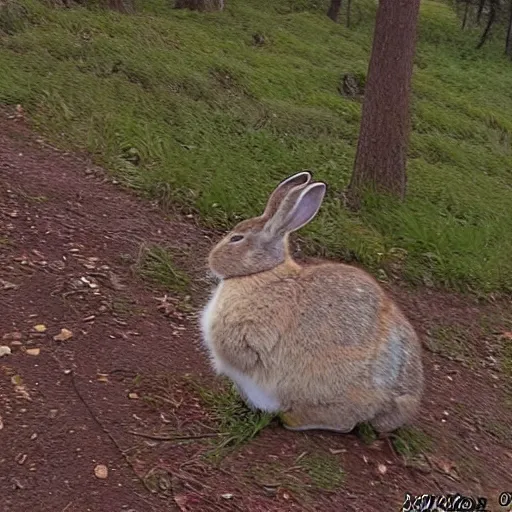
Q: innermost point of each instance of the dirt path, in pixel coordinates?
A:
(68, 241)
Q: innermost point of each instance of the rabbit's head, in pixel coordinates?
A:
(260, 244)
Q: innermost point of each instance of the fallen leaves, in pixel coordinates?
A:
(5, 350)
(40, 328)
(101, 471)
(19, 387)
(64, 335)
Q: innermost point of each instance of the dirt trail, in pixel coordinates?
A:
(68, 242)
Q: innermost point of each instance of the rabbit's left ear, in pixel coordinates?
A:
(297, 209)
(300, 179)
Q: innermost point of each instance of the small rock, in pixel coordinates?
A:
(101, 471)
(227, 496)
(40, 328)
(65, 334)
(5, 350)
(133, 396)
(33, 351)
(16, 336)
(382, 468)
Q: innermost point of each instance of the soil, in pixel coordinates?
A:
(70, 239)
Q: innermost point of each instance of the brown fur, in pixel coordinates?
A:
(324, 339)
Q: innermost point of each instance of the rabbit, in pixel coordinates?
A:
(322, 346)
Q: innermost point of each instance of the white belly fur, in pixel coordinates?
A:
(254, 393)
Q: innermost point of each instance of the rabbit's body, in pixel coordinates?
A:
(322, 344)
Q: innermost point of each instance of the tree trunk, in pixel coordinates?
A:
(381, 156)
(480, 10)
(124, 6)
(490, 22)
(349, 12)
(508, 43)
(334, 10)
(465, 18)
(200, 5)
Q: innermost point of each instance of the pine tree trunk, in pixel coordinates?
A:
(200, 5)
(480, 10)
(334, 10)
(381, 156)
(508, 43)
(465, 18)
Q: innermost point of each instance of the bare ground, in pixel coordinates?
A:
(69, 243)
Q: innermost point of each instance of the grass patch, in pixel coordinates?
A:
(366, 433)
(234, 420)
(324, 470)
(156, 264)
(184, 107)
(410, 442)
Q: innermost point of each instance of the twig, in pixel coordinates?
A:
(174, 438)
(98, 422)
(67, 506)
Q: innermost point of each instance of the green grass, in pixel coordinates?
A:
(324, 470)
(185, 108)
(234, 420)
(411, 442)
(156, 264)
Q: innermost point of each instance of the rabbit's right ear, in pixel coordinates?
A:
(297, 209)
(300, 179)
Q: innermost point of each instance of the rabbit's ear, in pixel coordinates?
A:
(275, 199)
(297, 209)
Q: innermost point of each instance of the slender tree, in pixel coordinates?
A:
(200, 5)
(466, 12)
(481, 5)
(381, 156)
(334, 10)
(493, 11)
(508, 43)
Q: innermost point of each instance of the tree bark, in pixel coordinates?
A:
(465, 18)
(508, 43)
(200, 5)
(334, 10)
(349, 12)
(480, 10)
(490, 22)
(124, 6)
(381, 156)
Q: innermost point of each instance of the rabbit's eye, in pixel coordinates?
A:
(236, 238)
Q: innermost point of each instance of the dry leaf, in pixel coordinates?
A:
(5, 350)
(101, 471)
(16, 380)
(102, 377)
(64, 335)
(33, 351)
(40, 328)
